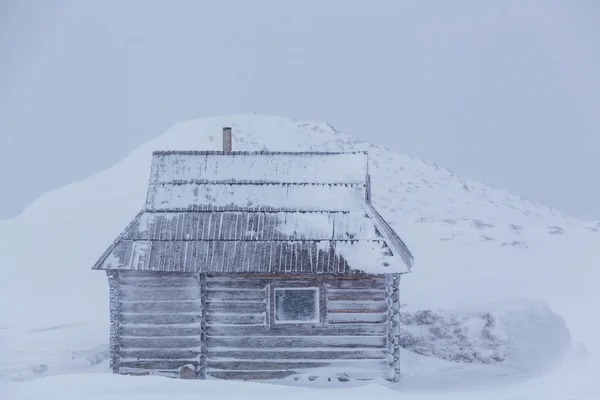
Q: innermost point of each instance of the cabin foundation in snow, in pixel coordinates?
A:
(256, 265)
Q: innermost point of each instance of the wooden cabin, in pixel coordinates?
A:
(256, 265)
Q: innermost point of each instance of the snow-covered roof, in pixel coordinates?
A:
(269, 212)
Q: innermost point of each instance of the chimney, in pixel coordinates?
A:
(227, 139)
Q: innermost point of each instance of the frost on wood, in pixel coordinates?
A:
(209, 196)
(287, 167)
(297, 220)
(257, 266)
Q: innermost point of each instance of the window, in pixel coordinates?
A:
(296, 305)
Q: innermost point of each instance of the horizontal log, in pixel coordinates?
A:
(364, 283)
(354, 295)
(160, 307)
(356, 307)
(164, 342)
(159, 281)
(353, 318)
(233, 295)
(157, 364)
(156, 294)
(265, 365)
(296, 341)
(165, 330)
(159, 319)
(172, 373)
(233, 283)
(229, 319)
(153, 354)
(309, 354)
(238, 307)
(249, 375)
(377, 329)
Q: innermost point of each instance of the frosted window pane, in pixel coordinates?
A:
(296, 305)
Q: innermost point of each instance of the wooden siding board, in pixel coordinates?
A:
(376, 329)
(356, 318)
(159, 319)
(157, 307)
(236, 307)
(356, 295)
(154, 354)
(161, 364)
(298, 341)
(250, 375)
(357, 307)
(291, 354)
(131, 293)
(146, 331)
(171, 342)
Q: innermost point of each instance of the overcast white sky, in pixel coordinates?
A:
(505, 92)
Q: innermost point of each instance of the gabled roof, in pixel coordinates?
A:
(268, 212)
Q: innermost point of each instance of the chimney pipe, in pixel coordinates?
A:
(227, 139)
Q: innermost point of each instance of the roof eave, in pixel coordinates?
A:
(398, 247)
(98, 264)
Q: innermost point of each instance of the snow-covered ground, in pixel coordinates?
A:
(511, 284)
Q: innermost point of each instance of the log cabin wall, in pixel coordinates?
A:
(244, 342)
(155, 322)
(224, 326)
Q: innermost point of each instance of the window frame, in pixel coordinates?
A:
(296, 285)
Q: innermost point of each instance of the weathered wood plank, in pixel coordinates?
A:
(238, 307)
(157, 294)
(234, 283)
(159, 282)
(236, 295)
(172, 373)
(230, 319)
(373, 283)
(376, 329)
(352, 318)
(157, 364)
(297, 341)
(356, 295)
(249, 375)
(159, 319)
(164, 330)
(291, 354)
(161, 307)
(160, 342)
(264, 365)
(154, 354)
(365, 307)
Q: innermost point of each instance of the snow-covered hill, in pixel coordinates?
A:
(476, 248)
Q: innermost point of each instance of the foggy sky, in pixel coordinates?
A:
(504, 92)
